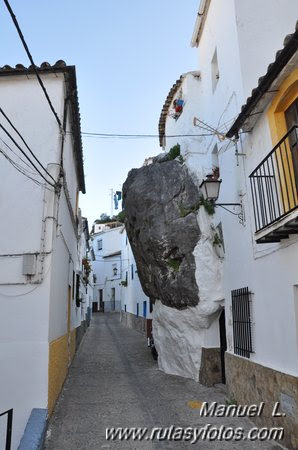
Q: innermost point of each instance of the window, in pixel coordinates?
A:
(73, 283)
(78, 299)
(291, 115)
(220, 235)
(114, 270)
(113, 299)
(215, 162)
(145, 308)
(214, 71)
(99, 244)
(132, 271)
(241, 312)
(150, 305)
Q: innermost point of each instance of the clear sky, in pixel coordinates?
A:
(127, 55)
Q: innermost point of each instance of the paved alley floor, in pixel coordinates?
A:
(114, 382)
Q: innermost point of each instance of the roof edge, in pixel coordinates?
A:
(168, 102)
(274, 69)
(200, 22)
(72, 93)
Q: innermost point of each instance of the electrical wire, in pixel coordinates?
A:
(132, 136)
(14, 19)
(27, 146)
(21, 169)
(25, 154)
(21, 159)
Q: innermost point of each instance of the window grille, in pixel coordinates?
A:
(242, 327)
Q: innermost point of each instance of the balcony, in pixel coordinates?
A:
(274, 191)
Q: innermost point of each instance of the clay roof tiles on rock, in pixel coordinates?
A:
(165, 109)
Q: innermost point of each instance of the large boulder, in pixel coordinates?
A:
(160, 202)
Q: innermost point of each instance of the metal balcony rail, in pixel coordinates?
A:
(274, 182)
(9, 414)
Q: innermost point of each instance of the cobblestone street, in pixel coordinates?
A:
(114, 382)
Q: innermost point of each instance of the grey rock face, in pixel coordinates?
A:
(160, 201)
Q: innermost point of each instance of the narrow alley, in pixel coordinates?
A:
(114, 382)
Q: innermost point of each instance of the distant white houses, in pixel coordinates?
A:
(44, 296)
(136, 308)
(106, 265)
(116, 282)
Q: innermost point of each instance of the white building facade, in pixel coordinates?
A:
(250, 153)
(136, 308)
(116, 282)
(39, 254)
(106, 265)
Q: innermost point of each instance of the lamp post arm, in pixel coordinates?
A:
(228, 204)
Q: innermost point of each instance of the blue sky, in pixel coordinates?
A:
(127, 55)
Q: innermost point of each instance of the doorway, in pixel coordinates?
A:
(113, 299)
(223, 344)
(101, 305)
(291, 115)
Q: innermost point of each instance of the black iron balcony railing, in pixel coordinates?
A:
(274, 182)
(9, 414)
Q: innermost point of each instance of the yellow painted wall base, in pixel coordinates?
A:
(61, 353)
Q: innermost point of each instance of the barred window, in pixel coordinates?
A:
(242, 327)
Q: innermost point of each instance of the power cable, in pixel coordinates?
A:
(14, 19)
(27, 146)
(23, 171)
(115, 135)
(21, 159)
(26, 156)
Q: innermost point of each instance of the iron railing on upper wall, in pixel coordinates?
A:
(274, 182)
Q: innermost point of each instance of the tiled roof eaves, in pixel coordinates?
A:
(165, 109)
(60, 67)
(274, 69)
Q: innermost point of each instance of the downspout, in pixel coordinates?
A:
(46, 199)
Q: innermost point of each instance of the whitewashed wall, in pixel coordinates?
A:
(103, 265)
(234, 29)
(133, 292)
(32, 314)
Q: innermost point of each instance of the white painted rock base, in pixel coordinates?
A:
(179, 335)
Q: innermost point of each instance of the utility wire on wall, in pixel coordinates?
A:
(21, 169)
(25, 143)
(133, 136)
(14, 19)
(25, 154)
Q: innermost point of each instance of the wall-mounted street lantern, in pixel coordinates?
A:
(210, 190)
(115, 271)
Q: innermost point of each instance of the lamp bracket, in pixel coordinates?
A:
(240, 214)
(228, 204)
